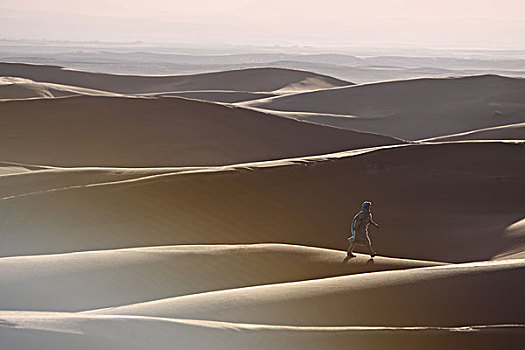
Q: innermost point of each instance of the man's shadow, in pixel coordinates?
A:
(347, 259)
(369, 262)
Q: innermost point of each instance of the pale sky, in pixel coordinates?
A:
(455, 23)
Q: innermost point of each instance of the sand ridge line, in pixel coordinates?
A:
(230, 249)
(212, 169)
(30, 89)
(36, 166)
(499, 127)
(185, 248)
(105, 183)
(299, 113)
(33, 318)
(257, 165)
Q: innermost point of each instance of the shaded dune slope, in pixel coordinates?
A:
(430, 205)
(411, 109)
(149, 132)
(453, 295)
(42, 331)
(89, 280)
(248, 80)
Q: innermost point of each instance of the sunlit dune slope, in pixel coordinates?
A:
(515, 231)
(412, 109)
(97, 279)
(248, 80)
(140, 132)
(9, 168)
(19, 88)
(442, 202)
(11, 90)
(43, 331)
(504, 132)
(454, 295)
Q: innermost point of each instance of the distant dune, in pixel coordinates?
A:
(247, 80)
(430, 205)
(372, 66)
(139, 132)
(411, 109)
(97, 279)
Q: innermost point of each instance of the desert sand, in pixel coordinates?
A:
(212, 210)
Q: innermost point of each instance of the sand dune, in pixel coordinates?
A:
(249, 80)
(411, 109)
(152, 132)
(37, 330)
(451, 295)
(430, 205)
(89, 280)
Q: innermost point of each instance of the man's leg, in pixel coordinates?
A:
(369, 244)
(349, 252)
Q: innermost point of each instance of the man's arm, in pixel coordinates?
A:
(373, 222)
(352, 229)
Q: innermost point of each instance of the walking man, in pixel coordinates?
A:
(359, 230)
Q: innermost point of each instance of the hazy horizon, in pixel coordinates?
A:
(455, 24)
